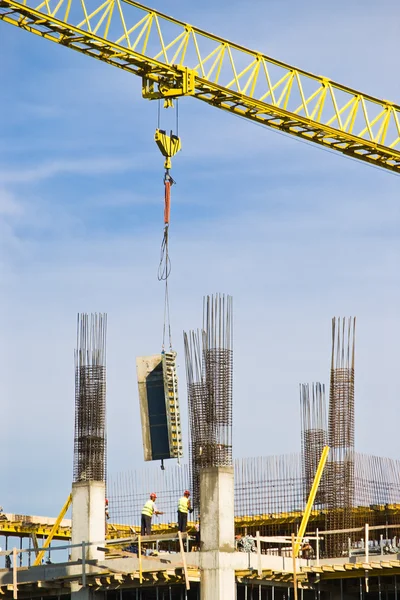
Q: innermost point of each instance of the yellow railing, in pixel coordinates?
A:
(13, 525)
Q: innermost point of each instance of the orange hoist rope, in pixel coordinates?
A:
(167, 208)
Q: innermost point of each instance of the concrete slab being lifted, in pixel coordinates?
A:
(159, 406)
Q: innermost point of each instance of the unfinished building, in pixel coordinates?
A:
(249, 508)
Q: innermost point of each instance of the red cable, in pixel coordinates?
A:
(167, 207)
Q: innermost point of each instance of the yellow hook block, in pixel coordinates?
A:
(169, 145)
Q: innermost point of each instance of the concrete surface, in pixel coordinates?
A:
(88, 518)
(217, 533)
(144, 366)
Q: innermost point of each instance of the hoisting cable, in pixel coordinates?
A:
(169, 145)
(164, 268)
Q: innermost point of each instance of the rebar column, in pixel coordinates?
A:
(340, 469)
(218, 362)
(314, 435)
(209, 370)
(90, 399)
(88, 489)
(197, 392)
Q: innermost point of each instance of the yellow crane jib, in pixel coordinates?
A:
(169, 145)
(224, 74)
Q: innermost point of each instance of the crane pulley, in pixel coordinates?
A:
(182, 83)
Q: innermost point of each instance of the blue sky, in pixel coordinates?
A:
(296, 234)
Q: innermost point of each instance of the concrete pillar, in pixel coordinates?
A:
(88, 518)
(85, 593)
(217, 532)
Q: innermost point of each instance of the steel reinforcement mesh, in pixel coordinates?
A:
(90, 438)
(199, 437)
(219, 374)
(263, 486)
(128, 492)
(269, 494)
(377, 480)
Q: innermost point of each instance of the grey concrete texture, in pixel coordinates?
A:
(217, 528)
(88, 517)
(217, 533)
(144, 366)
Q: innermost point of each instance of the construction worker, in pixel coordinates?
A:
(106, 510)
(306, 550)
(148, 510)
(196, 546)
(183, 508)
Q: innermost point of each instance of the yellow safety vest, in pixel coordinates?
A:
(148, 508)
(183, 505)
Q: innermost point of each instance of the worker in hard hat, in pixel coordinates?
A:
(196, 545)
(183, 508)
(106, 510)
(306, 549)
(148, 510)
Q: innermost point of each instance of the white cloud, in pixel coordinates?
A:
(9, 207)
(98, 165)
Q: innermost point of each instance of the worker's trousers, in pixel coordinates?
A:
(146, 525)
(182, 521)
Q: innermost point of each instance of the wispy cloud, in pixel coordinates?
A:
(84, 166)
(9, 206)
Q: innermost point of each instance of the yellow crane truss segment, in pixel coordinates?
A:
(177, 59)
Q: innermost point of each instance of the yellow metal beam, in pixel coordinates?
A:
(174, 58)
(182, 549)
(140, 559)
(14, 525)
(311, 498)
(35, 543)
(56, 525)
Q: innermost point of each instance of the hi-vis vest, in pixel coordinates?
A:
(148, 508)
(183, 505)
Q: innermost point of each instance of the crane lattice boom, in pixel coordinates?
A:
(176, 59)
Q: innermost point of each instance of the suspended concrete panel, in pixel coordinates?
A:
(159, 406)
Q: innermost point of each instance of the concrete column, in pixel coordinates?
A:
(85, 593)
(88, 518)
(217, 531)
